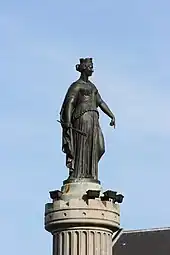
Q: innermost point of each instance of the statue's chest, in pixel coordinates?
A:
(87, 90)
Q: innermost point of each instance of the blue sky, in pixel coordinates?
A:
(41, 41)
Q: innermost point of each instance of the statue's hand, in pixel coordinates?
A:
(113, 122)
(66, 125)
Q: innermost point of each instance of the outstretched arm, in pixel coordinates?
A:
(104, 107)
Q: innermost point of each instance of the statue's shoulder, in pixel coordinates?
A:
(91, 83)
(93, 86)
(75, 85)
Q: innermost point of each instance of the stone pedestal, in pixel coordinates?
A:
(81, 225)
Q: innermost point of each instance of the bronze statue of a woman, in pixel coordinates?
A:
(82, 139)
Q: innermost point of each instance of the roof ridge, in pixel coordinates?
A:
(146, 230)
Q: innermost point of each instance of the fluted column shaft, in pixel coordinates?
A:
(82, 241)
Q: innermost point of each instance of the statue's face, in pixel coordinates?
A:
(89, 69)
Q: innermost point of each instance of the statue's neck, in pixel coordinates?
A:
(84, 77)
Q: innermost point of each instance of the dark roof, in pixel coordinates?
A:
(143, 242)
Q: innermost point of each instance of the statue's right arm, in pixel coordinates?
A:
(69, 104)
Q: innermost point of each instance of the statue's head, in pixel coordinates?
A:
(85, 66)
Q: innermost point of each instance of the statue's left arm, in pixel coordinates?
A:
(104, 107)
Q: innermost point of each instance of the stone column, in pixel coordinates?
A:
(81, 225)
(82, 241)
